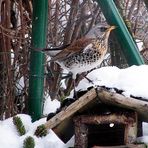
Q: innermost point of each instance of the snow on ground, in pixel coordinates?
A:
(132, 80)
(10, 138)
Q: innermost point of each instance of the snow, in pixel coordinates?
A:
(132, 80)
(145, 133)
(139, 44)
(50, 106)
(20, 84)
(10, 138)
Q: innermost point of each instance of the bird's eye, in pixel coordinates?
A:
(102, 29)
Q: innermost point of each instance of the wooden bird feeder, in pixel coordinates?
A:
(101, 119)
(105, 130)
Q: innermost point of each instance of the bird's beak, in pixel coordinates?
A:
(111, 28)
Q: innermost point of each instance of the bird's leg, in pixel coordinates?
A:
(83, 75)
(74, 85)
(89, 80)
(69, 84)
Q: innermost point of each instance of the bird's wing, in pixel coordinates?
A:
(88, 48)
(75, 47)
(94, 45)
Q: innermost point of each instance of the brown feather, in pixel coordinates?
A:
(75, 47)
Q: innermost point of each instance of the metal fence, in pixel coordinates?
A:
(67, 21)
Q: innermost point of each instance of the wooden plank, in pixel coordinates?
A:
(71, 109)
(113, 98)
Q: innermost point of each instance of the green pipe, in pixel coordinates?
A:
(129, 47)
(36, 75)
(146, 3)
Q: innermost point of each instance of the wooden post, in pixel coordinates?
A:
(81, 132)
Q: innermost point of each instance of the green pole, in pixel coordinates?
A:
(146, 3)
(36, 75)
(129, 47)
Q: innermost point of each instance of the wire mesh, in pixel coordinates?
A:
(67, 21)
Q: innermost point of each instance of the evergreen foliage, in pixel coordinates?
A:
(29, 142)
(41, 131)
(19, 125)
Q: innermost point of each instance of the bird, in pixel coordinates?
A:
(86, 53)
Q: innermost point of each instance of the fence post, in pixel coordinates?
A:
(36, 75)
